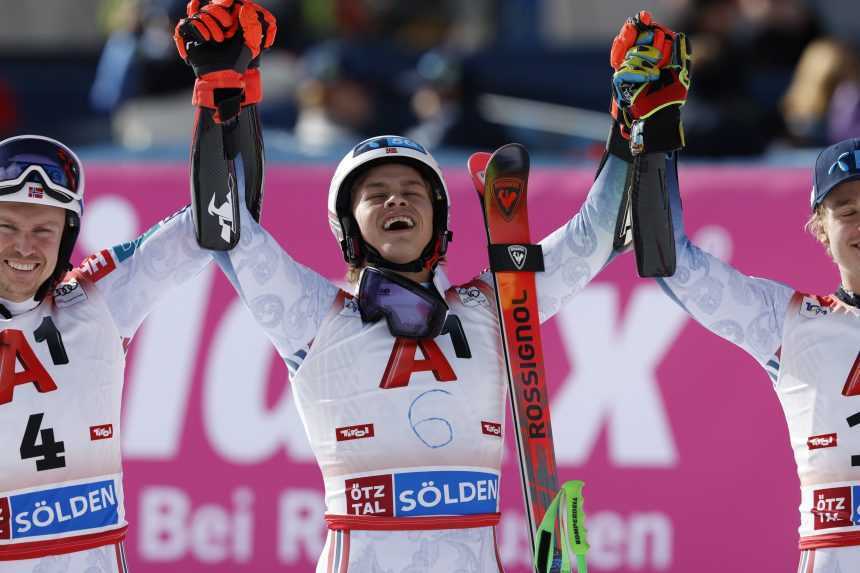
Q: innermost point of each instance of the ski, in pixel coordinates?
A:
(501, 180)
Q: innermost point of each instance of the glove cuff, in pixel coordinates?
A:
(617, 144)
(663, 131)
(205, 86)
(253, 87)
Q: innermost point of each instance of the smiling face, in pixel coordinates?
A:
(840, 222)
(391, 204)
(29, 245)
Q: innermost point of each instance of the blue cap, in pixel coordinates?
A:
(837, 164)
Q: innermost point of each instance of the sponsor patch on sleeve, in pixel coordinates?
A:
(97, 266)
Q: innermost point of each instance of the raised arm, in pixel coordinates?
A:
(134, 276)
(576, 252)
(288, 300)
(747, 311)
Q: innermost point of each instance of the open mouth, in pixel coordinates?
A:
(22, 267)
(399, 223)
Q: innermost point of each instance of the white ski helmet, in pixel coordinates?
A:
(42, 171)
(367, 154)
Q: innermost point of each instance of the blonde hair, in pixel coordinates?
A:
(815, 226)
(822, 66)
(352, 274)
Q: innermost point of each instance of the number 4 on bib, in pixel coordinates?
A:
(48, 449)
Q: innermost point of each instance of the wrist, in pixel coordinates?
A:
(253, 87)
(205, 86)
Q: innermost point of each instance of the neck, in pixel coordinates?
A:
(419, 277)
(16, 307)
(850, 281)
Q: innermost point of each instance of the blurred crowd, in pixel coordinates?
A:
(766, 74)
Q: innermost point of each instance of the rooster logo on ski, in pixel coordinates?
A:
(507, 191)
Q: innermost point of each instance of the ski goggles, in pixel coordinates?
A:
(410, 310)
(41, 170)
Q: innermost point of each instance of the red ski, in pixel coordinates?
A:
(501, 182)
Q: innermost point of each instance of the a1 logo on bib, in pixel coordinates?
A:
(507, 191)
(518, 255)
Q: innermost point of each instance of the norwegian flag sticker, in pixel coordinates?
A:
(35, 191)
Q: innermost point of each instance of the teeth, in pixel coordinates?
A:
(399, 219)
(21, 266)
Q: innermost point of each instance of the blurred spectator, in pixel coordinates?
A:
(138, 57)
(822, 104)
(720, 117)
(445, 102)
(384, 74)
(8, 110)
(744, 54)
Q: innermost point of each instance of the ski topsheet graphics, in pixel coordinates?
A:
(501, 180)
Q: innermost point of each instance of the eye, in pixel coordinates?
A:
(45, 231)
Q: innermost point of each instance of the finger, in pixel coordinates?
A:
(625, 39)
(192, 30)
(224, 17)
(644, 18)
(192, 8)
(271, 28)
(251, 29)
(179, 41)
(212, 25)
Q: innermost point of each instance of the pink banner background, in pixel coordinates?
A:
(677, 434)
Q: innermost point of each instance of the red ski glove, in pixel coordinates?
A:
(651, 80)
(222, 42)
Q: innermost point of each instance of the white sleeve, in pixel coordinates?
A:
(288, 300)
(747, 311)
(575, 253)
(134, 276)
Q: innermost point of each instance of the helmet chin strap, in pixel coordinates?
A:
(374, 258)
(64, 255)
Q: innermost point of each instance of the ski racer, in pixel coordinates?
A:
(807, 343)
(63, 337)
(399, 379)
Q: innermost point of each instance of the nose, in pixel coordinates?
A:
(24, 244)
(395, 199)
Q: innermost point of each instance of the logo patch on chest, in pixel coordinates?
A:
(471, 296)
(103, 432)
(491, 429)
(69, 293)
(354, 432)
(821, 441)
(811, 308)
